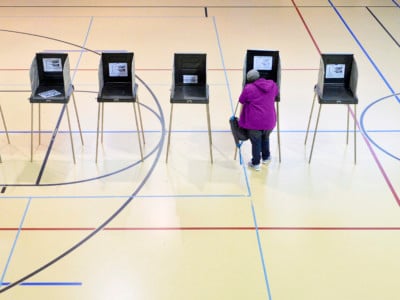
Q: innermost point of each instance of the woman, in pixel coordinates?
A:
(258, 115)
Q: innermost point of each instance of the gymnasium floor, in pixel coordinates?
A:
(191, 229)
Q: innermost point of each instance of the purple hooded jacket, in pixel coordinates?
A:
(258, 100)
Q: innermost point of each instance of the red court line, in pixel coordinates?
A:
(375, 157)
(306, 26)
(238, 228)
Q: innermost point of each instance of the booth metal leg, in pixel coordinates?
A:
(348, 124)
(309, 120)
(40, 123)
(209, 131)
(315, 133)
(138, 132)
(278, 131)
(40, 130)
(140, 120)
(354, 130)
(236, 148)
(169, 131)
(102, 121)
(4, 124)
(70, 134)
(355, 133)
(31, 132)
(77, 117)
(98, 128)
(5, 128)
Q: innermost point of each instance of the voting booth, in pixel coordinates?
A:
(117, 85)
(268, 64)
(189, 86)
(337, 84)
(51, 83)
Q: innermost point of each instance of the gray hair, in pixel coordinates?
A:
(252, 75)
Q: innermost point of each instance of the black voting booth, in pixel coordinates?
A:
(117, 85)
(267, 63)
(51, 83)
(337, 84)
(189, 86)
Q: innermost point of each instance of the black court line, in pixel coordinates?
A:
(50, 147)
(383, 27)
(115, 214)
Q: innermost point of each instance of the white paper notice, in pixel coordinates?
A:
(49, 93)
(335, 71)
(190, 79)
(52, 65)
(263, 63)
(118, 69)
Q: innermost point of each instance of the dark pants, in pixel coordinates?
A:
(259, 145)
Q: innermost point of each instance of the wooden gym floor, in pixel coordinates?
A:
(191, 229)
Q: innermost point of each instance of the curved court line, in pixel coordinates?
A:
(97, 177)
(37, 183)
(49, 38)
(365, 132)
(114, 215)
(365, 137)
(121, 208)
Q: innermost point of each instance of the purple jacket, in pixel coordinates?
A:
(258, 100)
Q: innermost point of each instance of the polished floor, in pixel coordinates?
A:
(190, 228)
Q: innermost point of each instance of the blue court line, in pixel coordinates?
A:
(46, 283)
(15, 241)
(82, 48)
(396, 3)
(223, 63)
(364, 50)
(229, 96)
(261, 251)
